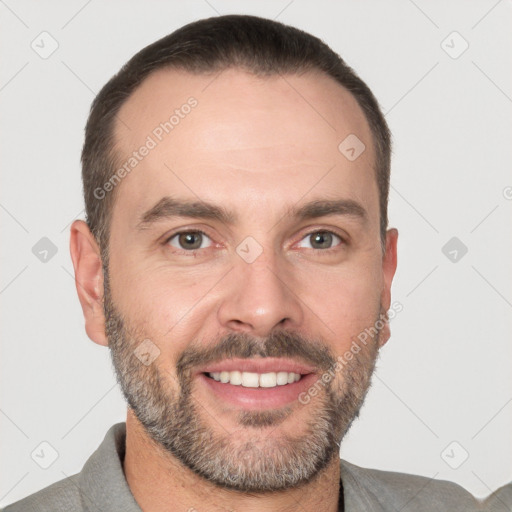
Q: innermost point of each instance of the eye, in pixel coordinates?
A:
(190, 240)
(320, 240)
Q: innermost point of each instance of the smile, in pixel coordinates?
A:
(256, 383)
(255, 380)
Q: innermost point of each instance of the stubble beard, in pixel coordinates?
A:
(170, 413)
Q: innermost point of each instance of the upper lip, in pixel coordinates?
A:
(259, 365)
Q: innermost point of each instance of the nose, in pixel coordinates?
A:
(259, 297)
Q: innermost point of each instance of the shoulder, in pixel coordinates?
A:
(391, 490)
(500, 500)
(63, 495)
(101, 485)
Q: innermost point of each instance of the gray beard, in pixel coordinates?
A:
(173, 417)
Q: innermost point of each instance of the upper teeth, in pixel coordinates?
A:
(255, 380)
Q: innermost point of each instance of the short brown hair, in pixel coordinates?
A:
(257, 45)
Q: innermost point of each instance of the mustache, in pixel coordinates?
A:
(241, 345)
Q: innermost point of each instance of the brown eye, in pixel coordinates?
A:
(190, 240)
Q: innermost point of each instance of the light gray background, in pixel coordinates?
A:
(445, 374)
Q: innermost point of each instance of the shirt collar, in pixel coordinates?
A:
(103, 485)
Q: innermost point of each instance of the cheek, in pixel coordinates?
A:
(160, 304)
(347, 302)
(141, 286)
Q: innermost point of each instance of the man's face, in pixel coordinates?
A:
(280, 284)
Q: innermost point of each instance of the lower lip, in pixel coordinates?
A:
(258, 398)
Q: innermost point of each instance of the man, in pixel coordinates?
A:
(237, 262)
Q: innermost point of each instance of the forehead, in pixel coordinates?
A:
(234, 137)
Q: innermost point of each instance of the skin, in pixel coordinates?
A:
(256, 146)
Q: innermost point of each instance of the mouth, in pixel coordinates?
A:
(255, 380)
(255, 384)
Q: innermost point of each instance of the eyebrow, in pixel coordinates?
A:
(168, 208)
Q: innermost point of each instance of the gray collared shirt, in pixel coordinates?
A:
(102, 486)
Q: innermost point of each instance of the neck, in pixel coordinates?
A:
(160, 483)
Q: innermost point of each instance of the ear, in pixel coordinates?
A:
(85, 254)
(389, 262)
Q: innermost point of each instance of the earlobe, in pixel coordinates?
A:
(85, 254)
(389, 263)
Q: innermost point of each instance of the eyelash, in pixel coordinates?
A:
(193, 252)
